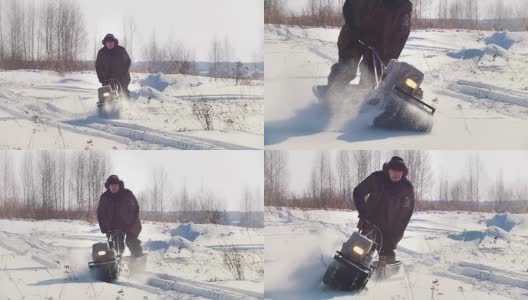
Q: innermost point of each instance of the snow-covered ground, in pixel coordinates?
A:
(477, 80)
(446, 255)
(47, 110)
(49, 260)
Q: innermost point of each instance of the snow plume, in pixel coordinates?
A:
(76, 266)
(345, 108)
(305, 269)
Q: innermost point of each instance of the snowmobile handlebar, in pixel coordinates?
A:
(376, 60)
(377, 231)
(111, 234)
(114, 83)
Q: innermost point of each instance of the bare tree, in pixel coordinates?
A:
(180, 59)
(159, 189)
(28, 181)
(212, 207)
(228, 52)
(326, 179)
(215, 56)
(247, 208)
(275, 177)
(344, 175)
(457, 191)
(420, 174)
(443, 187)
(499, 193)
(47, 180)
(362, 162)
(474, 167)
(129, 32)
(274, 11)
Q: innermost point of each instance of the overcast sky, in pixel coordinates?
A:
(194, 22)
(514, 166)
(226, 173)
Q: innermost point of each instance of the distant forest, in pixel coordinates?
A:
(334, 177)
(427, 14)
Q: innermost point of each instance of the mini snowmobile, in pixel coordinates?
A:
(397, 94)
(354, 265)
(109, 95)
(108, 259)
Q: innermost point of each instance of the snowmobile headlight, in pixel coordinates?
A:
(101, 253)
(358, 250)
(106, 94)
(411, 83)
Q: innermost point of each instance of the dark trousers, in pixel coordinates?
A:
(387, 245)
(132, 242)
(351, 55)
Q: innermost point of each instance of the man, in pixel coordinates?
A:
(383, 25)
(119, 210)
(386, 199)
(113, 62)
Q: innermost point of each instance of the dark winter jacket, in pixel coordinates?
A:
(382, 24)
(113, 64)
(388, 205)
(119, 211)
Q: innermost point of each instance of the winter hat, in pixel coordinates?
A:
(114, 179)
(396, 163)
(110, 37)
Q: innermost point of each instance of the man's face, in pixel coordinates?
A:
(395, 176)
(114, 188)
(110, 44)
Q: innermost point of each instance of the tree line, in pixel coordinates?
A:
(448, 14)
(68, 184)
(47, 35)
(334, 176)
(52, 35)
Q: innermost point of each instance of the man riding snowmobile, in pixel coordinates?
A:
(383, 25)
(386, 199)
(113, 63)
(119, 210)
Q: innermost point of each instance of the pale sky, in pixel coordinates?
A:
(514, 166)
(193, 22)
(226, 173)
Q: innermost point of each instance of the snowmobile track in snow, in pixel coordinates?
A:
(480, 272)
(477, 90)
(173, 283)
(129, 133)
(124, 132)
